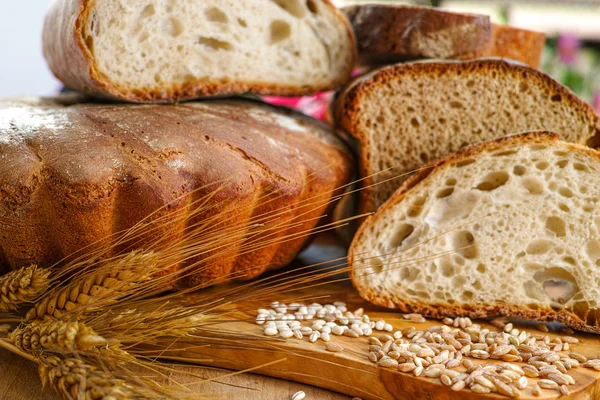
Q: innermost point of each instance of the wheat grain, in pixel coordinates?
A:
(22, 286)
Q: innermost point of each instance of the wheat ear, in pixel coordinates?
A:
(73, 378)
(22, 286)
(53, 335)
(93, 290)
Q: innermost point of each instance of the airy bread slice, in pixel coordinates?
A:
(398, 32)
(507, 227)
(517, 44)
(408, 114)
(163, 51)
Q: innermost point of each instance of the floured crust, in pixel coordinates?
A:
(407, 32)
(473, 310)
(72, 62)
(347, 107)
(74, 174)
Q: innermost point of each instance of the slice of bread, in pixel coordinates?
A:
(164, 51)
(517, 44)
(408, 114)
(507, 227)
(388, 33)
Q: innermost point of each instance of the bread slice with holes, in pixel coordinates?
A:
(164, 51)
(388, 33)
(517, 44)
(408, 114)
(507, 227)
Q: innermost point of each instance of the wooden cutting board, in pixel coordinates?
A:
(350, 371)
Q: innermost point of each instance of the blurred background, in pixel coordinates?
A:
(572, 52)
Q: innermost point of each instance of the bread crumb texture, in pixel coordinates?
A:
(407, 115)
(516, 224)
(150, 45)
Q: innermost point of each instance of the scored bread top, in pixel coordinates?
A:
(158, 51)
(409, 32)
(73, 174)
(408, 114)
(505, 227)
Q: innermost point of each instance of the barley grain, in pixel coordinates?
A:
(477, 388)
(547, 384)
(458, 386)
(334, 347)
(406, 367)
(300, 395)
(388, 363)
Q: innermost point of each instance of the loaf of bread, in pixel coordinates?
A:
(389, 33)
(73, 174)
(517, 44)
(507, 227)
(408, 114)
(398, 32)
(165, 51)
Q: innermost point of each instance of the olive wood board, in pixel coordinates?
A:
(350, 372)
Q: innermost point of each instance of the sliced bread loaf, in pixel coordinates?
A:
(398, 32)
(506, 227)
(163, 51)
(408, 114)
(517, 44)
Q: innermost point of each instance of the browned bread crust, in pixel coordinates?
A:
(348, 108)
(395, 32)
(517, 44)
(589, 324)
(72, 62)
(73, 174)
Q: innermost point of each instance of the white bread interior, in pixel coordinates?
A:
(147, 44)
(509, 227)
(409, 114)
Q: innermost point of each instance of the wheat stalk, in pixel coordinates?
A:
(22, 286)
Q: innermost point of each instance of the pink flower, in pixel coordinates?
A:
(291, 102)
(568, 48)
(315, 106)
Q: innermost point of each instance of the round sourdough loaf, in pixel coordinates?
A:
(73, 175)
